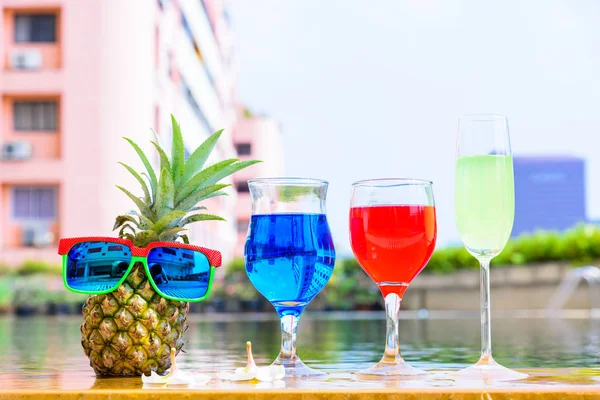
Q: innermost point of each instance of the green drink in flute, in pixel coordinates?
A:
(484, 201)
(485, 206)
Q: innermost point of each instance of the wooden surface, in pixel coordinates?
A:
(542, 384)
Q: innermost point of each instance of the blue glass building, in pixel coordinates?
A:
(549, 193)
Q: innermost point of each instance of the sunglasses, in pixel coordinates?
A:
(99, 265)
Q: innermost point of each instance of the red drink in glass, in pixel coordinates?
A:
(393, 243)
(393, 232)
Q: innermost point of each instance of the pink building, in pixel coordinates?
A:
(259, 138)
(76, 76)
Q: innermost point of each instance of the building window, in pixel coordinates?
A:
(35, 115)
(33, 203)
(242, 226)
(243, 149)
(242, 187)
(37, 28)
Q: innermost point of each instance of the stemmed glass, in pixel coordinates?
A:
(485, 210)
(393, 232)
(289, 254)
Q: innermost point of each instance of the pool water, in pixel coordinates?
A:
(328, 341)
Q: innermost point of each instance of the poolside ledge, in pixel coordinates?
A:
(545, 384)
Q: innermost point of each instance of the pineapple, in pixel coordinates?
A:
(131, 330)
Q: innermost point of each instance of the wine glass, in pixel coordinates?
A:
(289, 254)
(485, 209)
(393, 232)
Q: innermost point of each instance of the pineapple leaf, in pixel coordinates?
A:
(144, 209)
(145, 222)
(165, 194)
(184, 195)
(151, 173)
(143, 238)
(127, 236)
(177, 152)
(122, 219)
(142, 182)
(202, 217)
(170, 234)
(201, 208)
(199, 195)
(166, 220)
(201, 177)
(196, 161)
(185, 239)
(126, 226)
(164, 159)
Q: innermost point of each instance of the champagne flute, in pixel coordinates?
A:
(393, 233)
(485, 209)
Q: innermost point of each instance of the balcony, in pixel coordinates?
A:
(32, 40)
(29, 216)
(194, 74)
(30, 126)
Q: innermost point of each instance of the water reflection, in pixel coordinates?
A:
(47, 350)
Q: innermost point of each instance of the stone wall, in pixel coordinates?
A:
(527, 287)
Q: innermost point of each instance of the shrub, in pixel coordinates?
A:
(32, 267)
(5, 269)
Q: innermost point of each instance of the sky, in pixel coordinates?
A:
(369, 89)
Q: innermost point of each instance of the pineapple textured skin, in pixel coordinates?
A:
(131, 331)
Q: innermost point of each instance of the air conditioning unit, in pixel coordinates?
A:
(26, 59)
(37, 235)
(16, 150)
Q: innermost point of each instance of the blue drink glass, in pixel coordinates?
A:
(289, 254)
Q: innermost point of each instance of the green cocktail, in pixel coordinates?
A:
(484, 207)
(484, 202)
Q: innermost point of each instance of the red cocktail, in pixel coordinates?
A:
(393, 243)
(393, 232)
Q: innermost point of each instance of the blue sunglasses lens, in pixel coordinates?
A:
(96, 267)
(179, 273)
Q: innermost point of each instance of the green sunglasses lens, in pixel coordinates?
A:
(179, 273)
(96, 267)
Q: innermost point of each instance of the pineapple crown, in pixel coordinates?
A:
(168, 205)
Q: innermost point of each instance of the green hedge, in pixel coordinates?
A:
(349, 287)
(576, 246)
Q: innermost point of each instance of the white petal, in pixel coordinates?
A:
(225, 375)
(270, 373)
(187, 378)
(238, 375)
(154, 379)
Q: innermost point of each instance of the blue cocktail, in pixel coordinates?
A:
(289, 253)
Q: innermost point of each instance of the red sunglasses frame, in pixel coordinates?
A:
(214, 256)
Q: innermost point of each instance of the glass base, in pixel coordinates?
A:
(387, 369)
(295, 368)
(487, 369)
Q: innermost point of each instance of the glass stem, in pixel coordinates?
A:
(486, 322)
(289, 331)
(392, 316)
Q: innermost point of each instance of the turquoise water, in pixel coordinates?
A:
(349, 342)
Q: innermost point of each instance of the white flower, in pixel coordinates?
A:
(175, 377)
(251, 371)
(270, 373)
